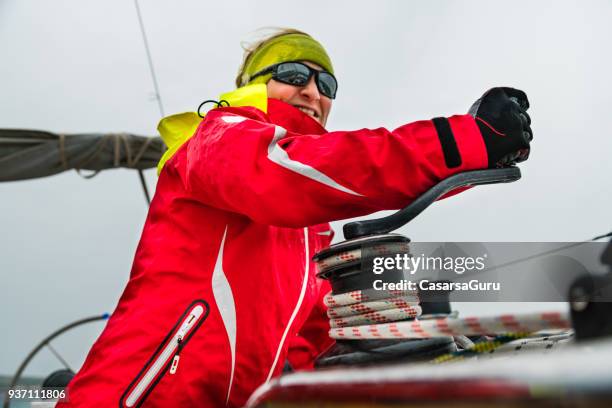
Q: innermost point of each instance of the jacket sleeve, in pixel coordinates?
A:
(274, 176)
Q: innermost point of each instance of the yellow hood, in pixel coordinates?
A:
(177, 129)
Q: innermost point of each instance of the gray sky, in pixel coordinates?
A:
(80, 66)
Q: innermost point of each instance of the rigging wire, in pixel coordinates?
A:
(540, 254)
(150, 60)
(160, 104)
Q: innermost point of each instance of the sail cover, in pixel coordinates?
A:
(27, 154)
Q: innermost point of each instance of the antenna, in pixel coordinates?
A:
(155, 85)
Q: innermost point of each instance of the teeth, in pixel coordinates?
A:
(308, 111)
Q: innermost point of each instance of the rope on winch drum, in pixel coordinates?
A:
(371, 307)
(394, 314)
(349, 255)
(359, 319)
(377, 307)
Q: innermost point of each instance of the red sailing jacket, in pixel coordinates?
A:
(223, 290)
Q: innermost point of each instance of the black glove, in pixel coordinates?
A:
(501, 115)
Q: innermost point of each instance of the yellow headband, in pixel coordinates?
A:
(289, 47)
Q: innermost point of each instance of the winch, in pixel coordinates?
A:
(355, 306)
(398, 325)
(404, 323)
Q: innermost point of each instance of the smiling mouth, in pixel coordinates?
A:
(308, 111)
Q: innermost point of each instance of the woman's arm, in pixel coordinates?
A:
(247, 165)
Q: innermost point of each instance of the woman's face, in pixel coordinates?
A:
(305, 98)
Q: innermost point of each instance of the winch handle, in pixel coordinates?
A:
(394, 221)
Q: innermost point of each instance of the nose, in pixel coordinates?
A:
(310, 90)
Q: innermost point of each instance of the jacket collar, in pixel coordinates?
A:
(281, 114)
(292, 119)
(251, 100)
(278, 112)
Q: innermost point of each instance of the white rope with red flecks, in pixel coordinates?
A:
(470, 326)
(371, 307)
(355, 254)
(385, 314)
(377, 314)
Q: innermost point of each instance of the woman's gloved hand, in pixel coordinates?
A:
(501, 115)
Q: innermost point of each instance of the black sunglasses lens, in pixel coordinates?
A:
(295, 73)
(292, 74)
(327, 85)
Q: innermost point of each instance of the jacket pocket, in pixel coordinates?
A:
(167, 356)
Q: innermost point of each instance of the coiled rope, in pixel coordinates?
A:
(361, 320)
(371, 307)
(386, 314)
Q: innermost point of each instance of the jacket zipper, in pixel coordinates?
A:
(175, 360)
(168, 358)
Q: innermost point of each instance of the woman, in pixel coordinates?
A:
(223, 292)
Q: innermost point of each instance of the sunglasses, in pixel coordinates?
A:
(298, 74)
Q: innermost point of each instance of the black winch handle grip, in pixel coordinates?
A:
(394, 221)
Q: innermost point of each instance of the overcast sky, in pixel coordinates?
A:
(80, 66)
